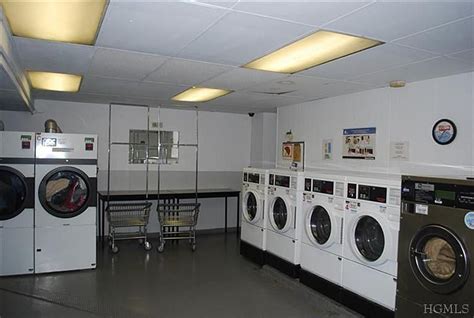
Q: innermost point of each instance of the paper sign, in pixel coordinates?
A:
(399, 150)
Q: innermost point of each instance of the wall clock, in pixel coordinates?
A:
(444, 131)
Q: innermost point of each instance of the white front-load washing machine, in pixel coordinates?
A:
(17, 172)
(65, 214)
(322, 238)
(371, 226)
(253, 230)
(283, 222)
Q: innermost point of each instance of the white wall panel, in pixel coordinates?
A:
(406, 114)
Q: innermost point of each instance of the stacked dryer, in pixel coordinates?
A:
(283, 223)
(17, 156)
(65, 214)
(322, 237)
(371, 228)
(254, 197)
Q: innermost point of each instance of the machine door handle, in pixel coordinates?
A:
(294, 219)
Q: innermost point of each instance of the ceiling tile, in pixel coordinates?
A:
(239, 38)
(368, 61)
(237, 100)
(54, 56)
(309, 12)
(437, 67)
(308, 87)
(450, 38)
(124, 64)
(240, 78)
(391, 20)
(155, 27)
(467, 55)
(219, 3)
(117, 87)
(186, 72)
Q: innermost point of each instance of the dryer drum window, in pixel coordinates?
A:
(320, 224)
(64, 192)
(280, 213)
(13, 193)
(438, 259)
(251, 206)
(369, 238)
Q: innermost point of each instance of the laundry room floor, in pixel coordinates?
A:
(214, 281)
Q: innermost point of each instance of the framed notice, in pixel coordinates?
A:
(327, 149)
(359, 143)
(287, 151)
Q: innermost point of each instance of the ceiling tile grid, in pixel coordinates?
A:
(54, 56)
(239, 38)
(124, 64)
(155, 27)
(150, 51)
(186, 72)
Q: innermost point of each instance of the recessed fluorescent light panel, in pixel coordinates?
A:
(200, 94)
(316, 49)
(55, 81)
(74, 21)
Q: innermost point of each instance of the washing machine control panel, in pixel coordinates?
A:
(438, 193)
(323, 186)
(372, 193)
(282, 181)
(253, 178)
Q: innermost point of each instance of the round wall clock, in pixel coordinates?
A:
(444, 131)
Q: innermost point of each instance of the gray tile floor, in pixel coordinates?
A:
(214, 281)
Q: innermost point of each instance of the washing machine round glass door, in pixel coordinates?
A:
(438, 259)
(64, 192)
(251, 207)
(319, 225)
(279, 214)
(13, 193)
(369, 238)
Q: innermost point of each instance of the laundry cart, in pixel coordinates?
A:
(178, 222)
(128, 215)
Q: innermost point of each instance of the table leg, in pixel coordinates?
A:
(225, 228)
(102, 214)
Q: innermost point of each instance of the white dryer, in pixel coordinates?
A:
(253, 230)
(17, 166)
(322, 239)
(65, 214)
(371, 226)
(283, 222)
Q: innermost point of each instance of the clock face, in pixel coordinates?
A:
(444, 131)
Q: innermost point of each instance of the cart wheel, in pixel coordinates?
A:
(115, 249)
(193, 247)
(140, 241)
(147, 245)
(161, 248)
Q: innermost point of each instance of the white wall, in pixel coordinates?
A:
(224, 147)
(405, 114)
(263, 139)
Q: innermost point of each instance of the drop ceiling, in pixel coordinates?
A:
(147, 52)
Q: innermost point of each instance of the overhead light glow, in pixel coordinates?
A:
(200, 94)
(55, 81)
(316, 49)
(74, 21)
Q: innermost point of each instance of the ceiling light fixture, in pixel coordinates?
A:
(316, 49)
(55, 81)
(200, 94)
(74, 21)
